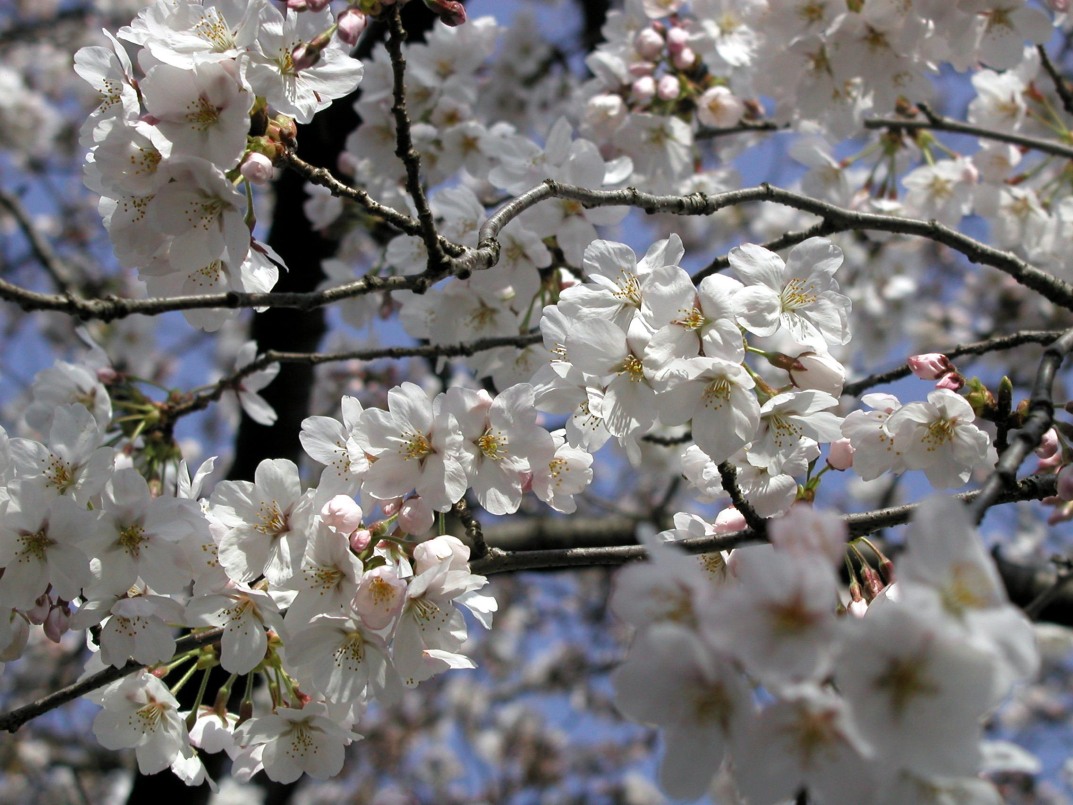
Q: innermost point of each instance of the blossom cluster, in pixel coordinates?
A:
(878, 699)
(336, 606)
(223, 84)
(753, 664)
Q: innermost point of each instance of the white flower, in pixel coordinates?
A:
(413, 446)
(917, 690)
(244, 613)
(40, 545)
(141, 714)
(875, 452)
(673, 680)
(342, 657)
(327, 580)
(939, 437)
(805, 741)
(800, 294)
(138, 535)
(266, 522)
(779, 619)
(560, 474)
(202, 210)
(330, 442)
(297, 742)
(498, 438)
(271, 71)
(718, 397)
(204, 110)
(790, 418)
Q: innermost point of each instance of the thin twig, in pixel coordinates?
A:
(934, 122)
(13, 719)
(404, 144)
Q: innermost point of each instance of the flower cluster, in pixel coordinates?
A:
(223, 85)
(880, 703)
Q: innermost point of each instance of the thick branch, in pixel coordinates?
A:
(838, 219)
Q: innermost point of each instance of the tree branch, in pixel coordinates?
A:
(1037, 420)
(13, 719)
(936, 122)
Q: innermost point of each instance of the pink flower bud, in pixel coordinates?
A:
(684, 58)
(1058, 6)
(297, 5)
(644, 89)
(351, 25)
(39, 611)
(677, 38)
(317, 5)
(450, 12)
(56, 623)
(416, 516)
(1048, 445)
(360, 540)
(648, 44)
(442, 549)
(818, 371)
(304, 56)
(391, 507)
(639, 69)
(257, 168)
(728, 521)
(342, 513)
(951, 381)
(840, 456)
(930, 366)
(1065, 482)
(668, 88)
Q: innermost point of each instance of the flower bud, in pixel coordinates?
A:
(643, 89)
(719, 108)
(818, 371)
(257, 168)
(416, 516)
(729, 521)
(648, 44)
(360, 540)
(342, 513)
(684, 58)
(677, 38)
(1065, 482)
(668, 88)
(451, 12)
(1048, 445)
(56, 623)
(39, 611)
(840, 456)
(930, 366)
(951, 381)
(351, 24)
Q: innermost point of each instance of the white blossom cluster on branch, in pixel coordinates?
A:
(476, 204)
